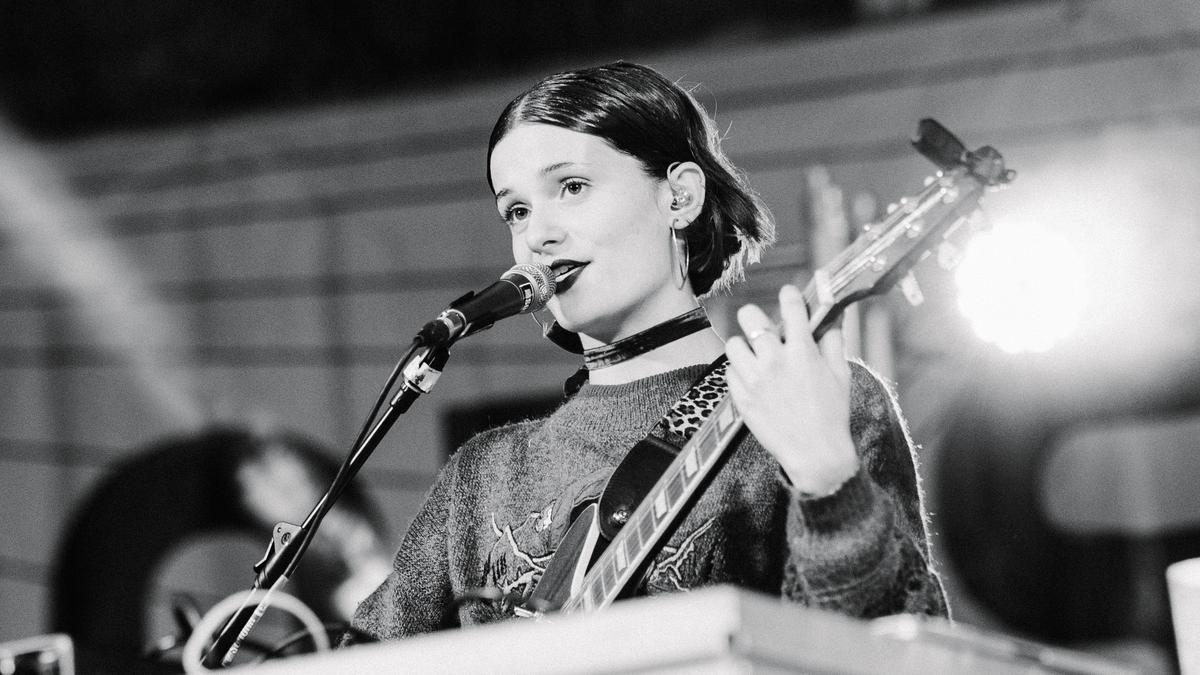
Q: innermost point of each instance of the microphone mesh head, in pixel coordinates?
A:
(541, 280)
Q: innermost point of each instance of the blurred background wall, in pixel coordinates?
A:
(246, 257)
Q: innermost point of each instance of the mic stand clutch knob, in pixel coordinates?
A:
(281, 535)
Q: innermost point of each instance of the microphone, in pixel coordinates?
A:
(524, 288)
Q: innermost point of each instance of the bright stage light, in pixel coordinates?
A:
(1021, 287)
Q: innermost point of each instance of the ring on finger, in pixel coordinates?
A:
(755, 334)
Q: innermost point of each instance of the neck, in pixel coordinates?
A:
(700, 347)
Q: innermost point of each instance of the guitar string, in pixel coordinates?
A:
(842, 262)
(891, 233)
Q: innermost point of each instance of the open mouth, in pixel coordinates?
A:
(565, 273)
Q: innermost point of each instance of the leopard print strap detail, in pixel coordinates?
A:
(686, 415)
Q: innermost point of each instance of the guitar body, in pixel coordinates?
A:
(566, 570)
(596, 525)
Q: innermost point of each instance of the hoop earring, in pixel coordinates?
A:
(679, 256)
(542, 325)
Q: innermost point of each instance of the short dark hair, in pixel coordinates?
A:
(642, 114)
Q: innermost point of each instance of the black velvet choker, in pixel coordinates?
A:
(641, 342)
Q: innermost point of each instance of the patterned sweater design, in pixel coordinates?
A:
(502, 503)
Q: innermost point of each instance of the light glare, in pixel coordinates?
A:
(1021, 287)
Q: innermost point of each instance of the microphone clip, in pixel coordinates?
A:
(446, 327)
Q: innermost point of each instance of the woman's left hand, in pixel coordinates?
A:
(795, 394)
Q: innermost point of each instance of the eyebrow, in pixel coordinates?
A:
(546, 170)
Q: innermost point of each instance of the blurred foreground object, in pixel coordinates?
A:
(41, 655)
(223, 480)
(717, 629)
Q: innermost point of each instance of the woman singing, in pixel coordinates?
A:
(614, 177)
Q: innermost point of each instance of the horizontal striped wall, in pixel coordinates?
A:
(287, 257)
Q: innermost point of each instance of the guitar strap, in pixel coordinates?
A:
(686, 415)
(654, 453)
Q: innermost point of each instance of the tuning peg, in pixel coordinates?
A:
(949, 255)
(911, 289)
(905, 205)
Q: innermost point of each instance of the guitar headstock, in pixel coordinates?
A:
(886, 251)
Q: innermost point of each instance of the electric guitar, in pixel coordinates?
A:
(609, 544)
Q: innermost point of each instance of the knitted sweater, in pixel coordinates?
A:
(504, 500)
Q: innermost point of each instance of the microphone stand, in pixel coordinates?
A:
(421, 370)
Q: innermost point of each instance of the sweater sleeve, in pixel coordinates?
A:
(864, 550)
(417, 593)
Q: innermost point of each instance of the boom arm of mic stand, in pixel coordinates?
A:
(289, 542)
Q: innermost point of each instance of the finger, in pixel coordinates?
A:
(752, 317)
(833, 351)
(736, 381)
(744, 365)
(741, 390)
(795, 312)
(739, 353)
(761, 333)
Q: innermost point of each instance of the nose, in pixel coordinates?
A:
(544, 233)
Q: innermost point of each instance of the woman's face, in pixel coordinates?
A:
(569, 199)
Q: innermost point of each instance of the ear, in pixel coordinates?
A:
(685, 192)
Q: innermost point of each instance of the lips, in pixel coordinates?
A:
(566, 272)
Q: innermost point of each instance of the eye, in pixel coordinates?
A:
(573, 186)
(515, 214)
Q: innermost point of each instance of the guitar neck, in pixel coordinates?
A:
(877, 258)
